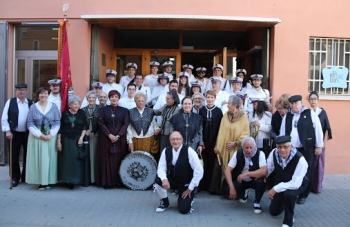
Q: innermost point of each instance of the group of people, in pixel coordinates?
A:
(226, 123)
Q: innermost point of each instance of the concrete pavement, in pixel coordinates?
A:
(24, 205)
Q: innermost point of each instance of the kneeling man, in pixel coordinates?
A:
(182, 160)
(286, 172)
(247, 169)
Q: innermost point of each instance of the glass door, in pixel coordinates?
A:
(35, 69)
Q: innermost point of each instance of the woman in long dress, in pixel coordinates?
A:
(92, 112)
(43, 122)
(113, 122)
(211, 116)
(234, 127)
(319, 163)
(189, 125)
(143, 129)
(167, 111)
(70, 142)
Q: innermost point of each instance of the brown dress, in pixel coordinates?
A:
(112, 120)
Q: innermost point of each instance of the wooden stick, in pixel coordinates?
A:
(219, 160)
(10, 164)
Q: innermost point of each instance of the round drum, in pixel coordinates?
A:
(138, 170)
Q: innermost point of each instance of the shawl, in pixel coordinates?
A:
(233, 131)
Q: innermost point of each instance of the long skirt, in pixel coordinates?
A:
(318, 173)
(41, 164)
(93, 147)
(163, 142)
(209, 157)
(70, 168)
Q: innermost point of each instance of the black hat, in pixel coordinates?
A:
(295, 98)
(282, 139)
(21, 86)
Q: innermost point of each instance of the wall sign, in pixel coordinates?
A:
(335, 77)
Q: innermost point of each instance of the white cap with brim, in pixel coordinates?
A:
(96, 85)
(154, 63)
(201, 69)
(111, 72)
(54, 82)
(256, 76)
(187, 66)
(218, 66)
(241, 71)
(181, 74)
(167, 63)
(131, 65)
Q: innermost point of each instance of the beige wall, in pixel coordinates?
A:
(289, 50)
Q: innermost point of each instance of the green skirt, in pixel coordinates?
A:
(41, 165)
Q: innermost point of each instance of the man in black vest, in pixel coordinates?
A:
(247, 169)
(304, 127)
(14, 123)
(179, 168)
(286, 171)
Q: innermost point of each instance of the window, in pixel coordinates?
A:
(329, 62)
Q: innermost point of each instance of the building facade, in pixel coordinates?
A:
(298, 46)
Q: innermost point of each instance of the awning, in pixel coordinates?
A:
(180, 22)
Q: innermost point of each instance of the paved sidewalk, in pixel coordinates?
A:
(24, 205)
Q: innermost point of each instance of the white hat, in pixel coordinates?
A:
(154, 63)
(218, 66)
(256, 76)
(96, 85)
(236, 80)
(131, 65)
(111, 72)
(241, 71)
(167, 63)
(186, 74)
(201, 69)
(240, 94)
(187, 66)
(54, 82)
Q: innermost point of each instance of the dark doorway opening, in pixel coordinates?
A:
(198, 60)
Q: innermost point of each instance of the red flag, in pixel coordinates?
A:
(66, 83)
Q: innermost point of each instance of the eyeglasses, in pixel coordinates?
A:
(175, 139)
(197, 98)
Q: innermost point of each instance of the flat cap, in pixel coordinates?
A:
(282, 139)
(21, 86)
(295, 98)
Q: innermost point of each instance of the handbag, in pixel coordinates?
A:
(253, 130)
(81, 153)
(114, 148)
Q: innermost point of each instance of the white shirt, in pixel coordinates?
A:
(262, 94)
(265, 126)
(143, 89)
(222, 96)
(131, 132)
(223, 82)
(23, 111)
(35, 131)
(157, 91)
(295, 140)
(203, 84)
(125, 80)
(114, 86)
(151, 80)
(55, 99)
(233, 163)
(127, 102)
(169, 75)
(193, 161)
(297, 178)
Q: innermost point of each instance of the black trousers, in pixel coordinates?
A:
(183, 205)
(310, 159)
(284, 201)
(258, 185)
(19, 139)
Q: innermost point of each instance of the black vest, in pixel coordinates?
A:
(306, 131)
(13, 113)
(286, 174)
(182, 172)
(141, 122)
(241, 163)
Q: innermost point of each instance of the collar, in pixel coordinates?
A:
(250, 158)
(178, 149)
(287, 160)
(25, 100)
(300, 111)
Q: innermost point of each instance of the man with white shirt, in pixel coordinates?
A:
(189, 171)
(188, 69)
(217, 74)
(111, 85)
(236, 85)
(201, 79)
(257, 92)
(247, 169)
(55, 95)
(140, 87)
(286, 177)
(221, 96)
(168, 68)
(304, 126)
(14, 124)
(129, 77)
(151, 80)
(97, 88)
(129, 101)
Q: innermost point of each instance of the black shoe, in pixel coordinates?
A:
(164, 204)
(71, 186)
(14, 183)
(301, 200)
